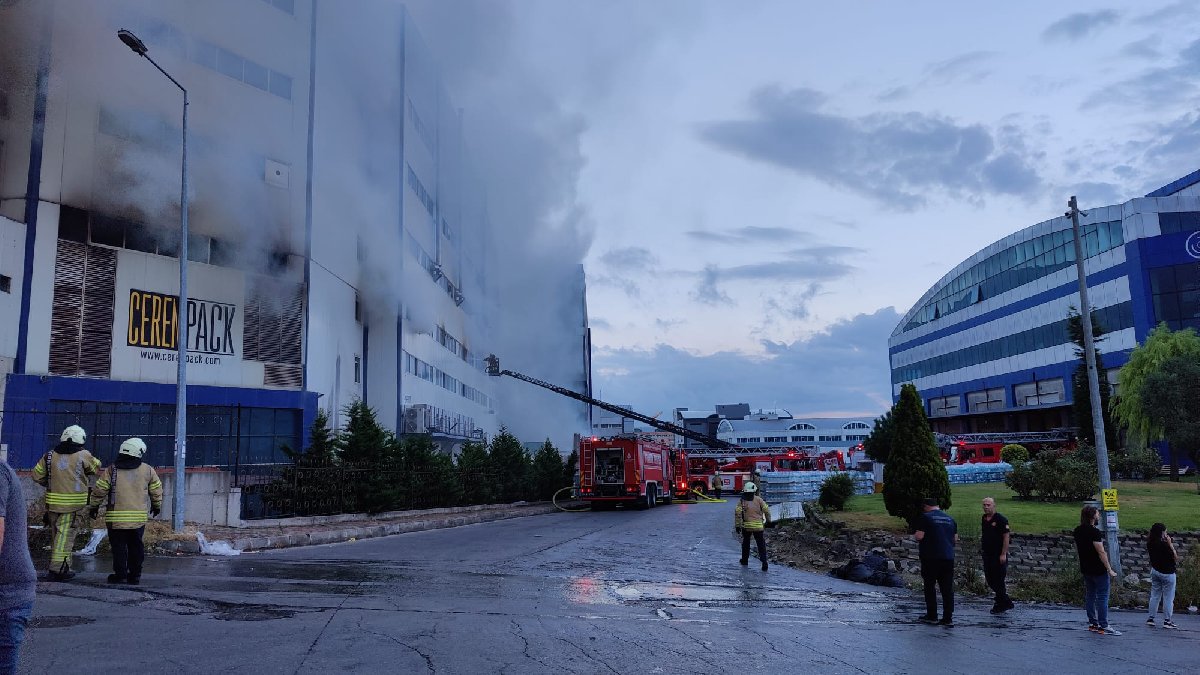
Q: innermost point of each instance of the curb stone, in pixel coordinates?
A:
(338, 535)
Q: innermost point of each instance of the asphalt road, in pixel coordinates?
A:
(656, 591)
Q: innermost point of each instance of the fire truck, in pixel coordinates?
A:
(629, 469)
(984, 448)
(665, 476)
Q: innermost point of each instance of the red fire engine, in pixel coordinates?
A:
(984, 448)
(629, 469)
(705, 464)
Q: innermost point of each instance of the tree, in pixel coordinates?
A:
(1129, 409)
(1081, 406)
(879, 444)
(510, 463)
(428, 478)
(547, 471)
(571, 468)
(370, 449)
(914, 469)
(1170, 399)
(475, 471)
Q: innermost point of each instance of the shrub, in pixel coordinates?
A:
(1079, 481)
(1188, 590)
(1021, 481)
(1135, 464)
(1014, 454)
(836, 490)
(914, 469)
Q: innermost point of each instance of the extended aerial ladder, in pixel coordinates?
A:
(714, 443)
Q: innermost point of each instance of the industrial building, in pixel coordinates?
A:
(340, 243)
(773, 429)
(987, 346)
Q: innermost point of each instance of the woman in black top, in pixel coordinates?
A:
(1162, 573)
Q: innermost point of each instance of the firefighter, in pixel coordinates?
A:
(749, 518)
(65, 472)
(123, 493)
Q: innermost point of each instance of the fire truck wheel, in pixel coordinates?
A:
(651, 496)
(668, 497)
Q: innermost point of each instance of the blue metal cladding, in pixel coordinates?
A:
(33, 403)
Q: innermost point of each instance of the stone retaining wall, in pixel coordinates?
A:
(1037, 553)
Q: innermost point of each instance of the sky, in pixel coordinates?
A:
(760, 190)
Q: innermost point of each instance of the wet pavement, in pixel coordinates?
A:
(656, 591)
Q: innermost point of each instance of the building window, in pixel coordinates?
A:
(5, 283)
(358, 308)
(988, 399)
(803, 439)
(855, 425)
(1016, 266)
(1112, 318)
(1042, 392)
(829, 439)
(943, 406)
(1176, 292)
(357, 369)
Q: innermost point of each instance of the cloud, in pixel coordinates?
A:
(1080, 25)
(962, 69)
(811, 264)
(1146, 48)
(1173, 14)
(842, 370)
(1166, 86)
(1178, 142)
(707, 292)
(895, 158)
(750, 234)
(633, 258)
(788, 305)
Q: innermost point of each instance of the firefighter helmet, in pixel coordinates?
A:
(134, 447)
(749, 488)
(75, 434)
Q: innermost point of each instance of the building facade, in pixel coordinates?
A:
(339, 244)
(987, 346)
(777, 430)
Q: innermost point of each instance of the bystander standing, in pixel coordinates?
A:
(994, 538)
(936, 534)
(1093, 563)
(1163, 558)
(18, 579)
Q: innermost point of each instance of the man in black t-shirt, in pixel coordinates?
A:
(994, 538)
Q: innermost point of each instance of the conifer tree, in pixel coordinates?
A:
(914, 469)
(547, 471)
(510, 463)
(475, 471)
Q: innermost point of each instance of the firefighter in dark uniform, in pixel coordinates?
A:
(123, 491)
(65, 472)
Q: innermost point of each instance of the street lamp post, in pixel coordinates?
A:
(181, 314)
(1089, 349)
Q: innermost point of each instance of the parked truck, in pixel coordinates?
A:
(626, 469)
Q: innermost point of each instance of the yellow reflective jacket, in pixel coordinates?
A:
(123, 491)
(751, 514)
(64, 472)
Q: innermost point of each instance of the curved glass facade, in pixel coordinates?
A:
(1014, 267)
(1114, 318)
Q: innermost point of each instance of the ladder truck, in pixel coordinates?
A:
(629, 468)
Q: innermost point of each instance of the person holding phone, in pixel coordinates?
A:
(1162, 574)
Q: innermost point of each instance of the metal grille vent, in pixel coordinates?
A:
(283, 375)
(81, 319)
(274, 321)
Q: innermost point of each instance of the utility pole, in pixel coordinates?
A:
(1089, 352)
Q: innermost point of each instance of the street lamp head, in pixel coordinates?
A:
(132, 42)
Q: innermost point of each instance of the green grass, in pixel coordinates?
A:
(1142, 504)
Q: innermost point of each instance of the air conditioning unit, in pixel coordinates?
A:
(415, 419)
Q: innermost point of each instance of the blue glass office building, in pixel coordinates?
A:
(987, 346)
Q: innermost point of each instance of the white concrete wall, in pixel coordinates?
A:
(12, 265)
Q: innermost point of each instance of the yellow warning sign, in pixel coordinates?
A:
(1110, 499)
